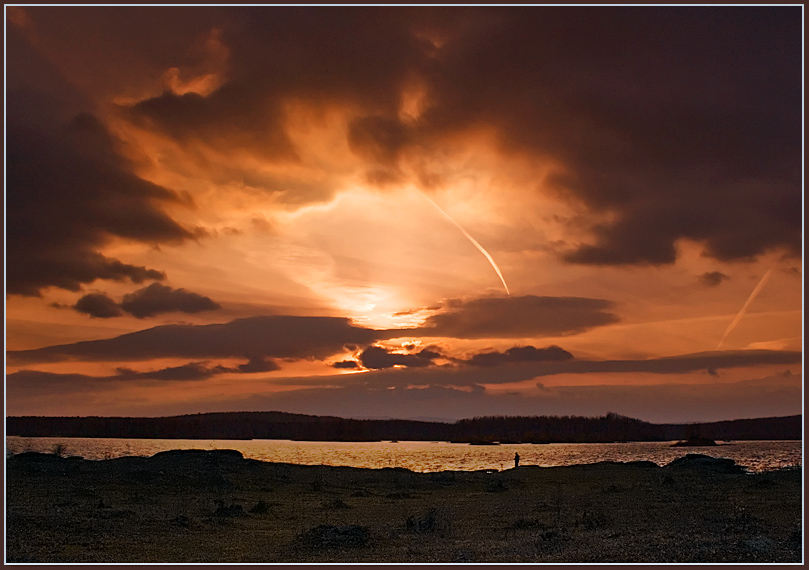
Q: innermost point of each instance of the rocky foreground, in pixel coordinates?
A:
(216, 506)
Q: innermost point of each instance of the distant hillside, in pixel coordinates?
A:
(280, 425)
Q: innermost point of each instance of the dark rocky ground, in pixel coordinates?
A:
(215, 506)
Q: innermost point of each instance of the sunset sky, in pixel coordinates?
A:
(405, 212)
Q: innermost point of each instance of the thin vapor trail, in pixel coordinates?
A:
(473, 240)
(749, 301)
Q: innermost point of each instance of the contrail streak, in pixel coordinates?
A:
(747, 304)
(470, 238)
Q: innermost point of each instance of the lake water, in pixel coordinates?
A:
(424, 456)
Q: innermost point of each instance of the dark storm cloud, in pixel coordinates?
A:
(30, 382)
(518, 371)
(36, 381)
(185, 372)
(682, 122)
(212, 119)
(376, 357)
(98, 305)
(68, 190)
(443, 393)
(713, 278)
(380, 141)
(149, 301)
(48, 382)
(157, 299)
(68, 196)
(516, 317)
(346, 364)
(520, 354)
(259, 365)
(677, 122)
(348, 56)
(252, 337)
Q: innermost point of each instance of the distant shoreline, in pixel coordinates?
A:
(719, 443)
(611, 428)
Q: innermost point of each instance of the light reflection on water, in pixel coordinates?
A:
(425, 456)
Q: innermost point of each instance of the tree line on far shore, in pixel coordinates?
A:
(502, 429)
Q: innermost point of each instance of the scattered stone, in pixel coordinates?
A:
(260, 508)
(336, 504)
(427, 523)
(329, 537)
(181, 521)
(230, 511)
(795, 541)
(760, 544)
(464, 555)
(521, 524)
(117, 514)
(593, 520)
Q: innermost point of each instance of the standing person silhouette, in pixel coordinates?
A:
(516, 460)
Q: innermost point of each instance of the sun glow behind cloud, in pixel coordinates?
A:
(376, 253)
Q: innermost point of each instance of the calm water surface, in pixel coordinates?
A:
(424, 456)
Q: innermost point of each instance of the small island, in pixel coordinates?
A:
(695, 442)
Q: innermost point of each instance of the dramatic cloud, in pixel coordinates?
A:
(517, 317)
(149, 301)
(98, 305)
(186, 372)
(156, 299)
(349, 364)
(673, 126)
(520, 354)
(252, 337)
(440, 392)
(514, 370)
(33, 380)
(70, 195)
(376, 357)
(69, 189)
(259, 365)
(660, 117)
(713, 278)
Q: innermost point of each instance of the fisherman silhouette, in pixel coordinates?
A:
(516, 460)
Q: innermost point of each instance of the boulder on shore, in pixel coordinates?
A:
(699, 461)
